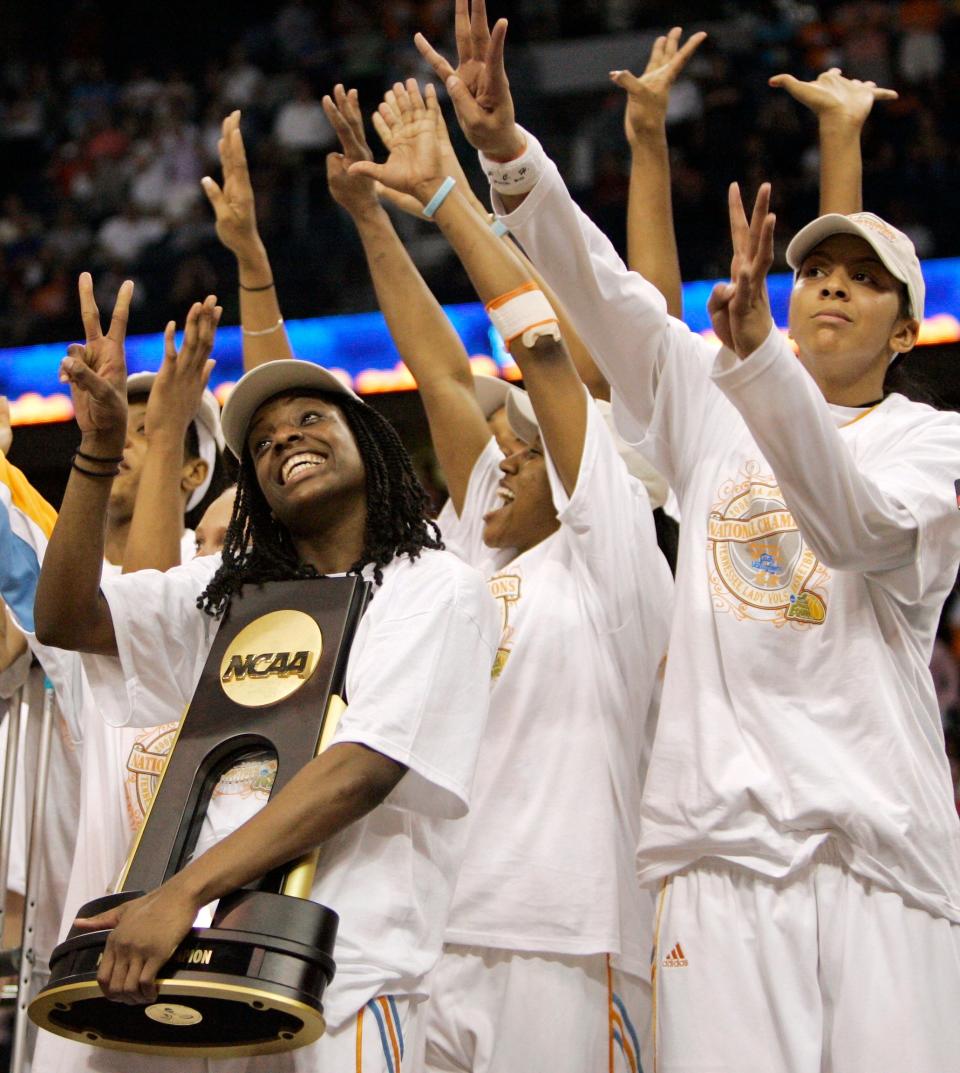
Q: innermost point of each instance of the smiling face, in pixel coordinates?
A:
(846, 315)
(526, 514)
(307, 462)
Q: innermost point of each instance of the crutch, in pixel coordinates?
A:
(10, 769)
(28, 955)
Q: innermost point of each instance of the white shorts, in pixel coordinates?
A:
(820, 972)
(386, 1036)
(503, 1011)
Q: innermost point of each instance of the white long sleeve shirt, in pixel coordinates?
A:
(817, 548)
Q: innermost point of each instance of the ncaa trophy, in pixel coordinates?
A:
(253, 982)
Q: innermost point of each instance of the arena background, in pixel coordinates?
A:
(109, 114)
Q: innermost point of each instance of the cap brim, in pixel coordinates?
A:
(834, 223)
(520, 415)
(491, 393)
(267, 380)
(140, 383)
(208, 415)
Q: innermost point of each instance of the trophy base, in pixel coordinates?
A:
(250, 984)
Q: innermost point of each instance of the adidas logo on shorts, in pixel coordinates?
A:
(676, 959)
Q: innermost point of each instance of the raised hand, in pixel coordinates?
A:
(478, 85)
(450, 164)
(414, 166)
(175, 396)
(234, 204)
(831, 95)
(6, 428)
(355, 193)
(647, 96)
(97, 371)
(740, 309)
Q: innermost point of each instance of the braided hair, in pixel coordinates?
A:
(258, 548)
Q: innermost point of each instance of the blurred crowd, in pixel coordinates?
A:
(103, 159)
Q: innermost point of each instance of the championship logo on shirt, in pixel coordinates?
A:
(253, 776)
(505, 589)
(759, 566)
(145, 765)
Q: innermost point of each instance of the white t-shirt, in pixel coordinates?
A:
(417, 692)
(817, 547)
(584, 619)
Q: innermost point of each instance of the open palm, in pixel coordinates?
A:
(414, 160)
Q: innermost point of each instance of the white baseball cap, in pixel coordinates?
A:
(208, 416)
(491, 393)
(893, 247)
(523, 421)
(262, 383)
(520, 415)
(206, 421)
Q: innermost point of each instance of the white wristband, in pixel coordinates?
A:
(523, 313)
(517, 176)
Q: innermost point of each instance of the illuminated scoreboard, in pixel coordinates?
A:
(359, 349)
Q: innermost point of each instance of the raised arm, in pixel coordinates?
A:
(654, 364)
(264, 336)
(70, 611)
(841, 106)
(651, 241)
(587, 368)
(420, 329)
(415, 167)
(157, 526)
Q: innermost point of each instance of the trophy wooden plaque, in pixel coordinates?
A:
(253, 982)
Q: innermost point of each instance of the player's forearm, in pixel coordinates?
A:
(70, 611)
(848, 520)
(431, 349)
(153, 542)
(651, 241)
(336, 789)
(420, 329)
(260, 310)
(841, 165)
(551, 379)
(492, 266)
(586, 367)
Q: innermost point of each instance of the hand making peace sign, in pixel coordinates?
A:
(97, 370)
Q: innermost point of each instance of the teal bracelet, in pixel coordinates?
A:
(439, 197)
(498, 227)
